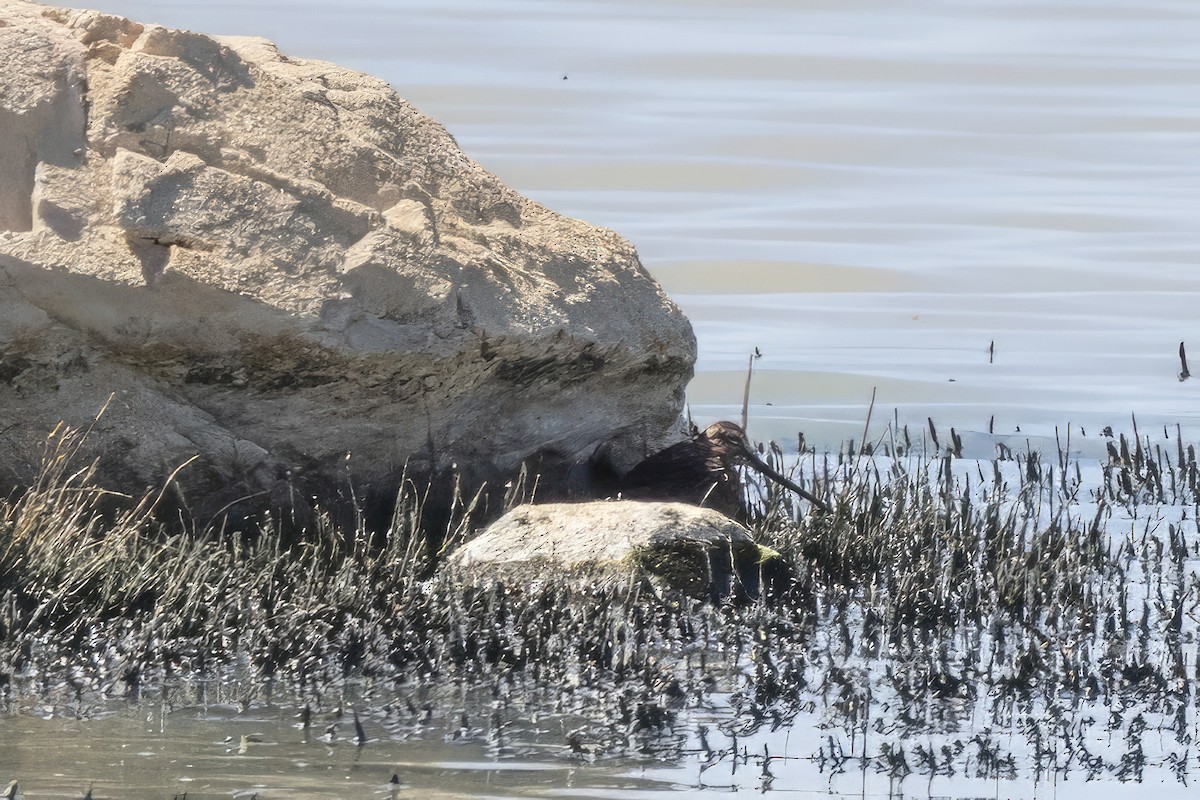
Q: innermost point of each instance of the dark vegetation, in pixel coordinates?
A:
(944, 609)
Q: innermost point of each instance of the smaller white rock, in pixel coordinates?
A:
(671, 544)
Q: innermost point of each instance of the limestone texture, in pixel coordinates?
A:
(671, 546)
(282, 267)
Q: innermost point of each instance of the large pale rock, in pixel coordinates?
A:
(283, 267)
(672, 545)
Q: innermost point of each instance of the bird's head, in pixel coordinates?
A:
(732, 443)
(728, 437)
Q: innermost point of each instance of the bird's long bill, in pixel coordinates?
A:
(766, 470)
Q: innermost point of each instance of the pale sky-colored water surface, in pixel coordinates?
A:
(868, 192)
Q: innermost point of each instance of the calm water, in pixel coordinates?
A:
(870, 193)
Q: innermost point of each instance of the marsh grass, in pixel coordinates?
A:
(968, 600)
(1030, 615)
(67, 564)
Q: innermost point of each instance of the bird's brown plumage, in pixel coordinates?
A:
(703, 471)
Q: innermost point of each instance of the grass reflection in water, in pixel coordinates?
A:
(954, 626)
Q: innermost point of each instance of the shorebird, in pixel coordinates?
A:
(703, 471)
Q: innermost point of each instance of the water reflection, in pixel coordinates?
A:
(148, 751)
(962, 746)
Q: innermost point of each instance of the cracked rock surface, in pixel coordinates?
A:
(282, 267)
